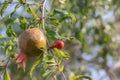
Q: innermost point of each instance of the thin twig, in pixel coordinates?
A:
(52, 74)
(64, 76)
(43, 15)
(2, 73)
(106, 68)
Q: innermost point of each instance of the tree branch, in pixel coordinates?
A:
(64, 76)
(43, 16)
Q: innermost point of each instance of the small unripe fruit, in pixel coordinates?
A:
(59, 44)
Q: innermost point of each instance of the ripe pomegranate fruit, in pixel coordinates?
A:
(59, 44)
(31, 42)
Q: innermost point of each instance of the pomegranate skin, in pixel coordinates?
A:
(31, 42)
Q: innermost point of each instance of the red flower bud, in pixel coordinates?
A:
(59, 44)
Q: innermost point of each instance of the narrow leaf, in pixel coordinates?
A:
(60, 54)
(62, 12)
(21, 1)
(80, 77)
(61, 68)
(3, 9)
(72, 17)
(33, 12)
(35, 65)
(49, 73)
(10, 31)
(6, 75)
(2, 37)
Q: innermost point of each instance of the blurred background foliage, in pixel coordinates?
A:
(90, 29)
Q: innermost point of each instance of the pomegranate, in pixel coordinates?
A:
(31, 42)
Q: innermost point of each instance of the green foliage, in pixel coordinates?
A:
(79, 23)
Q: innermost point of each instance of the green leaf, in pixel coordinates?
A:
(50, 57)
(6, 75)
(61, 68)
(80, 36)
(23, 20)
(72, 17)
(49, 73)
(80, 77)
(54, 20)
(27, 8)
(48, 12)
(60, 54)
(21, 1)
(62, 12)
(8, 21)
(6, 49)
(2, 37)
(50, 60)
(65, 13)
(106, 38)
(33, 12)
(9, 0)
(35, 65)
(23, 23)
(10, 32)
(3, 8)
(53, 34)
